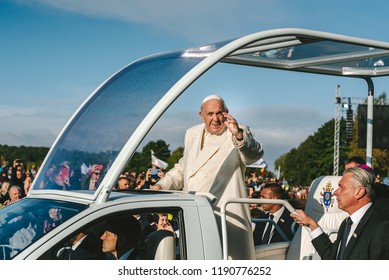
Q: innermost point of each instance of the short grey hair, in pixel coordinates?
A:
(365, 177)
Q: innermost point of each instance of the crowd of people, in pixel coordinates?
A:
(143, 180)
(256, 182)
(15, 181)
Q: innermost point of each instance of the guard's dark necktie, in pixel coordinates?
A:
(344, 238)
(266, 236)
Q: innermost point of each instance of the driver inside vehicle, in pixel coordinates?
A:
(85, 245)
(121, 238)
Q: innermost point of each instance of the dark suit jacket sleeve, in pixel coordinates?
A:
(324, 246)
(369, 241)
(287, 224)
(258, 231)
(370, 238)
(379, 249)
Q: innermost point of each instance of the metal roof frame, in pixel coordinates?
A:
(330, 54)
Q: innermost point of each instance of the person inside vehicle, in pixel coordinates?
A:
(256, 211)
(381, 200)
(165, 224)
(164, 230)
(121, 238)
(265, 233)
(85, 245)
(363, 235)
(215, 157)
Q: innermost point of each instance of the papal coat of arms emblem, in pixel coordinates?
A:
(327, 199)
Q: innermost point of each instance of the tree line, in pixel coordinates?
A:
(314, 156)
(28, 155)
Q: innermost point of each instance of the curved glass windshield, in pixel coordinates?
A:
(25, 221)
(96, 135)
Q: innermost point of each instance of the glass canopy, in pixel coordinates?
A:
(89, 145)
(105, 131)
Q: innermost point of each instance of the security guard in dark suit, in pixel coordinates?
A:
(265, 233)
(363, 235)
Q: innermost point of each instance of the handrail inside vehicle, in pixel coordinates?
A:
(210, 197)
(246, 201)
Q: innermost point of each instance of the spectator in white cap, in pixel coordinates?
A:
(215, 155)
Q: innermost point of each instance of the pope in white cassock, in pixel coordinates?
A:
(215, 157)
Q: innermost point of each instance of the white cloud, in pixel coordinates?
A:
(30, 127)
(201, 19)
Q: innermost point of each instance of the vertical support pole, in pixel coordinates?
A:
(369, 132)
(337, 131)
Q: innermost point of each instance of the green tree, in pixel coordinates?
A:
(380, 157)
(175, 157)
(28, 155)
(313, 157)
(141, 161)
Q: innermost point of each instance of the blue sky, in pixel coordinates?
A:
(53, 54)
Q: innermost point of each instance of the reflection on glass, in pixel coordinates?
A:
(27, 220)
(96, 135)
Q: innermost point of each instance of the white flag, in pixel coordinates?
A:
(279, 172)
(158, 162)
(258, 164)
(85, 169)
